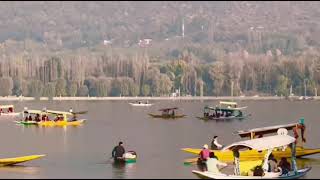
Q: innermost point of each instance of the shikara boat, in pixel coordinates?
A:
(168, 113)
(61, 118)
(254, 155)
(8, 110)
(141, 104)
(224, 111)
(17, 160)
(266, 145)
(128, 157)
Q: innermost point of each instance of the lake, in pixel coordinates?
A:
(83, 152)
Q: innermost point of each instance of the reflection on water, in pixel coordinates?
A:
(75, 152)
(122, 170)
(307, 162)
(20, 169)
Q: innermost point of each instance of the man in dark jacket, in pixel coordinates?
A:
(118, 151)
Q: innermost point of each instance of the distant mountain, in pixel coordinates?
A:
(257, 26)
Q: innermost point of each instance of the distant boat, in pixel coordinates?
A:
(140, 103)
(225, 111)
(10, 111)
(168, 113)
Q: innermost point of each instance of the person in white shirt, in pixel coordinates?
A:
(215, 145)
(213, 163)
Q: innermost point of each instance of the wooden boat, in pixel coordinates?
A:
(8, 110)
(128, 157)
(61, 118)
(168, 113)
(17, 160)
(141, 104)
(254, 155)
(224, 111)
(207, 175)
(266, 145)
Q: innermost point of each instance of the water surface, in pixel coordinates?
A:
(83, 152)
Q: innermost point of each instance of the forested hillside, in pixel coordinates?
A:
(152, 48)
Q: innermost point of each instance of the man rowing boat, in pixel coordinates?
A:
(118, 152)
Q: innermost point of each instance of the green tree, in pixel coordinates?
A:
(282, 86)
(83, 91)
(134, 89)
(103, 87)
(49, 90)
(61, 87)
(72, 89)
(6, 86)
(145, 90)
(35, 88)
(165, 85)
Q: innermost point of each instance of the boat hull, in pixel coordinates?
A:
(52, 123)
(9, 114)
(208, 175)
(251, 155)
(62, 123)
(223, 118)
(17, 160)
(167, 116)
(140, 105)
(27, 122)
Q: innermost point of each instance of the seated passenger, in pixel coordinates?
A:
(272, 163)
(285, 166)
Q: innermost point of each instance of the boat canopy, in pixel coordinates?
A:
(228, 103)
(6, 106)
(167, 109)
(265, 130)
(264, 143)
(59, 112)
(230, 108)
(34, 112)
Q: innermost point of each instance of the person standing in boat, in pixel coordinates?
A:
(302, 128)
(215, 145)
(118, 152)
(71, 110)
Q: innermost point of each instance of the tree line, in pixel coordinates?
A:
(136, 72)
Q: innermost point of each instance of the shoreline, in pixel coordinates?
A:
(183, 98)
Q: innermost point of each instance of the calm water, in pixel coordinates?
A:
(83, 152)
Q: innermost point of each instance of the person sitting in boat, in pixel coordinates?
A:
(213, 163)
(74, 118)
(215, 145)
(203, 156)
(43, 118)
(37, 118)
(10, 110)
(285, 166)
(26, 119)
(56, 118)
(173, 113)
(30, 118)
(118, 152)
(272, 164)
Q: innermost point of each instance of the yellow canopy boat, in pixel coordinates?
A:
(16, 160)
(253, 154)
(62, 118)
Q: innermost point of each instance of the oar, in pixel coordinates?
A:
(191, 160)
